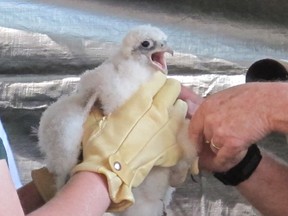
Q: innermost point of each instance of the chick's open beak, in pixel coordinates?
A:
(158, 57)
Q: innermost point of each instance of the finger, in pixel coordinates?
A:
(206, 158)
(187, 94)
(229, 155)
(196, 129)
(214, 147)
(192, 107)
(192, 99)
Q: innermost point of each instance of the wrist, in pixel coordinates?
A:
(276, 117)
(243, 170)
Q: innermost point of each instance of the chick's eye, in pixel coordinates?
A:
(145, 44)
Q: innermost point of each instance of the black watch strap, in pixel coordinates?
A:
(243, 170)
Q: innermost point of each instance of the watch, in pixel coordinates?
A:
(242, 170)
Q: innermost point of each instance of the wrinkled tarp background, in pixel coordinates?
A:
(45, 46)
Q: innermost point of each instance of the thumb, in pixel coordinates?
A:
(229, 156)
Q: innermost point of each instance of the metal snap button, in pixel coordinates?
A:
(117, 166)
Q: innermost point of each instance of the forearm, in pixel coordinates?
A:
(10, 204)
(277, 115)
(266, 189)
(85, 194)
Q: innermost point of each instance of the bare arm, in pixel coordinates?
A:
(10, 204)
(235, 118)
(85, 194)
(267, 188)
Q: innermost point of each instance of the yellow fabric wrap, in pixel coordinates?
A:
(125, 145)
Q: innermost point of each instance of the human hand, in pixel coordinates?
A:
(125, 145)
(232, 120)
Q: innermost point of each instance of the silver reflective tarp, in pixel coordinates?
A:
(46, 45)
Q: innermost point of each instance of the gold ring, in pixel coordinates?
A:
(213, 145)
